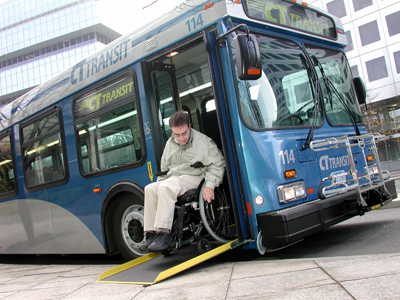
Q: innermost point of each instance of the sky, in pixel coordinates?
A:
(125, 16)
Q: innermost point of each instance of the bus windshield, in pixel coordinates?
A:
(336, 81)
(284, 95)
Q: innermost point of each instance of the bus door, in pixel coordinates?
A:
(180, 78)
(162, 101)
(191, 89)
(233, 174)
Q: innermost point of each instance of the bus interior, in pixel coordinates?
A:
(196, 96)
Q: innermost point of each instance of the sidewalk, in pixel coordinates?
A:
(364, 277)
(352, 277)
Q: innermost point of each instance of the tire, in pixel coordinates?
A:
(128, 223)
(217, 217)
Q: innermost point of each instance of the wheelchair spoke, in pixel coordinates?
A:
(218, 217)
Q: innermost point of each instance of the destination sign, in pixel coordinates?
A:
(113, 92)
(291, 15)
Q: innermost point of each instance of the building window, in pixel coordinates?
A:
(376, 69)
(369, 33)
(360, 4)
(354, 71)
(397, 60)
(349, 46)
(393, 23)
(74, 41)
(336, 7)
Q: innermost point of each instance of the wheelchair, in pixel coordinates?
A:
(196, 220)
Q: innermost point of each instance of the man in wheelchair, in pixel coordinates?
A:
(189, 157)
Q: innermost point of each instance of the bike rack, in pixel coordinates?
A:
(373, 177)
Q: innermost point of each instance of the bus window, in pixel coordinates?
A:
(109, 140)
(7, 178)
(283, 96)
(43, 151)
(108, 136)
(163, 92)
(85, 159)
(210, 105)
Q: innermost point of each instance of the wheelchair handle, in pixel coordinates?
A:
(196, 165)
(161, 173)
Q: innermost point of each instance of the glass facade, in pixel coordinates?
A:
(384, 117)
(24, 23)
(373, 33)
(41, 38)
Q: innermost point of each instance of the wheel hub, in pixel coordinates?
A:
(132, 226)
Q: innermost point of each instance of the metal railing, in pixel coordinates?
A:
(374, 176)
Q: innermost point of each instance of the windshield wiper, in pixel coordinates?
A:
(317, 98)
(331, 87)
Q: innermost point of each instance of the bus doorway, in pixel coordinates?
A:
(187, 85)
(180, 79)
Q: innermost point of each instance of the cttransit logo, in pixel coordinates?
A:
(85, 69)
(328, 163)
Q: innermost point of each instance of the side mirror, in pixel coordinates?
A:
(248, 57)
(360, 90)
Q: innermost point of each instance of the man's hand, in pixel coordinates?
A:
(208, 194)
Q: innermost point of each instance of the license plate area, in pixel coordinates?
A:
(338, 177)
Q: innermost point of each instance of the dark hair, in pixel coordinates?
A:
(179, 118)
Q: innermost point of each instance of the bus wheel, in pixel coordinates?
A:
(128, 226)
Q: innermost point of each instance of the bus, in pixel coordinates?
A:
(267, 80)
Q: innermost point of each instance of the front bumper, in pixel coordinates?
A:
(289, 225)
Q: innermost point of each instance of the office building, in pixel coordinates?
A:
(41, 38)
(372, 29)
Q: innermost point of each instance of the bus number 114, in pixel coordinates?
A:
(287, 156)
(192, 22)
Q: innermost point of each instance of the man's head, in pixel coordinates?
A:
(180, 125)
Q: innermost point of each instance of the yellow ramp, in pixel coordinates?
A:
(154, 267)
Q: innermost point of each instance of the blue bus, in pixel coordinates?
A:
(267, 80)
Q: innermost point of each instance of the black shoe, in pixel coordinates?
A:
(149, 238)
(161, 242)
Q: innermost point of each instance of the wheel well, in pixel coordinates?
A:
(108, 211)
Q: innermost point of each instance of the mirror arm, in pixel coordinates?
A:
(223, 36)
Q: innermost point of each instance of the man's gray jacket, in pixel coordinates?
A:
(177, 158)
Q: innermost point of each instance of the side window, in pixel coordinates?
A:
(107, 126)
(44, 156)
(166, 108)
(7, 173)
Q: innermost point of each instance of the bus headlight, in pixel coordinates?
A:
(373, 170)
(291, 192)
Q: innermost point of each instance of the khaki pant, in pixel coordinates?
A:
(160, 198)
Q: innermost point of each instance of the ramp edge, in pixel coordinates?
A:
(194, 261)
(126, 266)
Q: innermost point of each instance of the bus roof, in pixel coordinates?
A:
(140, 43)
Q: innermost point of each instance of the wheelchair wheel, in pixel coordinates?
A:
(217, 216)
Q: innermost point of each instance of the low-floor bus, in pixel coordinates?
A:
(268, 80)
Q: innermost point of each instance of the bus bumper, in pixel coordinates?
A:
(289, 225)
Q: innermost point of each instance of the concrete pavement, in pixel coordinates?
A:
(363, 277)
